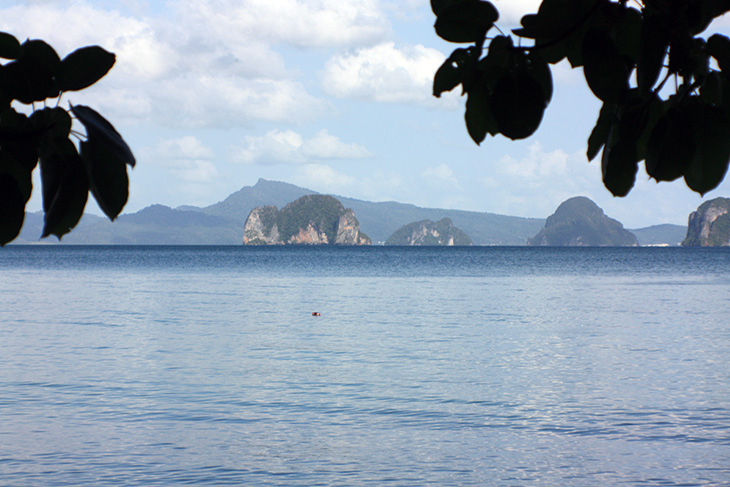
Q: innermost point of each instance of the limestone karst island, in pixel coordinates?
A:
(429, 233)
(310, 220)
(579, 222)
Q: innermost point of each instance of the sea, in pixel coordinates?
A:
(364, 366)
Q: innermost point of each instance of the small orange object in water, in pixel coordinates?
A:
(316, 314)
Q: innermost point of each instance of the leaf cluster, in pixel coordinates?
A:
(665, 89)
(33, 73)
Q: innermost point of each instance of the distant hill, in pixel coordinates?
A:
(664, 234)
(429, 233)
(580, 222)
(380, 220)
(222, 223)
(238, 205)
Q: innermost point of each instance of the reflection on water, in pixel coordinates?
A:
(445, 367)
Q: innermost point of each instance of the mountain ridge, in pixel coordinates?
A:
(226, 219)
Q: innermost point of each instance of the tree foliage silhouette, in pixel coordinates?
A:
(665, 88)
(34, 74)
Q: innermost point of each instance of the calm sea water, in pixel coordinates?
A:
(428, 366)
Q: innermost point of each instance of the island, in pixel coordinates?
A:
(427, 232)
(310, 220)
(709, 226)
(579, 222)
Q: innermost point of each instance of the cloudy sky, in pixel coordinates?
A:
(331, 95)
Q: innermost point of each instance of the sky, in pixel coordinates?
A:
(331, 95)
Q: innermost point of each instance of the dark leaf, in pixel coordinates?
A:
(532, 27)
(719, 47)
(450, 74)
(670, 147)
(497, 60)
(466, 21)
(22, 175)
(27, 80)
(12, 209)
(108, 179)
(558, 28)
(710, 162)
(600, 132)
(688, 57)
(478, 116)
(653, 49)
(638, 115)
(65, 188)
(628, 33)
(604, 69)
(19, 138)
(15, 188)
(716, 91)
(84, 67)
(619, 165)
(438, 6)
(104, 133)
(700, 13)
(518, 104)
(9, 46)
(555, 19)
(539, 70)
(42, 53)
(53, 122)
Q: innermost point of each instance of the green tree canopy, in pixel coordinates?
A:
(665, 85)
(34, 74)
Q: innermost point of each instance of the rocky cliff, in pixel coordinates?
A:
(427, 232)
(580, 222)
(709, 226)
(310, 220)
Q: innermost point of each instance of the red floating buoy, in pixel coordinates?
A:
(316, 314)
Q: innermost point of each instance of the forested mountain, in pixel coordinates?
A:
(222, 223)
(579, 222)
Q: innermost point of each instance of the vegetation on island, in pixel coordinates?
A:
(580, 222)
(321, 211)
(311, 219)
(35, 74)
(663, 80)
(429, 233)
(709, 226)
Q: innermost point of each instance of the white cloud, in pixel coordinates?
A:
(511, 11)
(538, 164)
(313, 23)
(187, 147)
(326, 146)
(168, 72)
(186, 158)
(384, 73)
(323, 177)
(441, 173)
(289, 147)
(276, 147)
(534, 185)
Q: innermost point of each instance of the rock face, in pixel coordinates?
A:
(427, 232)
(580, 222)
(709, 226)
(310, 220)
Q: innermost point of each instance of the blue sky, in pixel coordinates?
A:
(332, 95)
